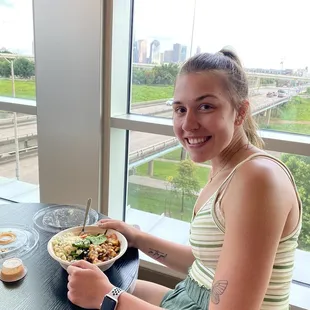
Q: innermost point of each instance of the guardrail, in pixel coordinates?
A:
(23, 153)
(20, 120)
(152, 149)
(133, 156)
(145, 104)
(20, 138)
(267, 106)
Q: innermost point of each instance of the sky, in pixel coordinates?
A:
(263, 32)
(16, 25)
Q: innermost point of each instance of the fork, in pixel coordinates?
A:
(89, 201)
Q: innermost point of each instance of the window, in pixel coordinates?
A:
(279, 85)
(17, 50)
(18, 134)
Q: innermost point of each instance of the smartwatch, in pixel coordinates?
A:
(110, 300)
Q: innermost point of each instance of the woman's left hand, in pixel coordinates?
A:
(87, 285)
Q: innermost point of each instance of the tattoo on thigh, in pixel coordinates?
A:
(218, 288)
(157, 254)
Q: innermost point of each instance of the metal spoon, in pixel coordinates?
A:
(86, 214)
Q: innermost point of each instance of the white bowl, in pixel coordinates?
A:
(93, 230)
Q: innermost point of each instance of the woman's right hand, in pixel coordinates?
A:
(131, 233)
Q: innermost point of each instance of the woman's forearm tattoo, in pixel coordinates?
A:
(157, 254)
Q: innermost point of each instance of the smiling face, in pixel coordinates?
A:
(203, 115)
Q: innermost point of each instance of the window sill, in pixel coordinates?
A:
(18, 105)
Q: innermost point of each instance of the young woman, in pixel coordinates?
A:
(246, 220)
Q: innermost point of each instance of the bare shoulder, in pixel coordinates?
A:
(263, 172)
(261, 182)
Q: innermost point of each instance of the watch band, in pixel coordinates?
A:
(110, 300)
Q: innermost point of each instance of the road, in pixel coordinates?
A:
(138, 140)
(257, 100)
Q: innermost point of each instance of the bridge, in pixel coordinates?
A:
(249, 73)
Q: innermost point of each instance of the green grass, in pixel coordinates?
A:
(297, 110)
(174, 155)
(26, 89)
(163, 169)
(159, 201)
(293, 128)
(142, 93)
(23, 89)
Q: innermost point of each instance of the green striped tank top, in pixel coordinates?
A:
(207, 237)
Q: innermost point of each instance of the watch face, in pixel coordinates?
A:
(108, 303)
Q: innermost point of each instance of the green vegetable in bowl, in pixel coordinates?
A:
(82, 244)
(99, 239)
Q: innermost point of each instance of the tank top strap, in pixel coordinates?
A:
(222, 189)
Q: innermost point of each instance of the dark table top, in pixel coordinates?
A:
(45, 285)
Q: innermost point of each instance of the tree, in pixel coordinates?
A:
(23, 67)
(165, 74)
(5, 68)
(186, 182)
(158, 75)
(300, 168)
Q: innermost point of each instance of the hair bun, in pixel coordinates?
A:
(230, 52)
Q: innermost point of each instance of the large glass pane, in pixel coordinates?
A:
(162, 186)
(164, 182)
(275, 56)
(161, 41)
(19, 176)
(16, 49)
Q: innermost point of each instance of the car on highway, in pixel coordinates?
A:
(169, 101)
(271, 94)
(282, 93)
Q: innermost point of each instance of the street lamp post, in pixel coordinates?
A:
(17, 167)
(193, 27)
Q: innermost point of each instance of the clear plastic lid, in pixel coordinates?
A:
(16, 241)
(59, 217)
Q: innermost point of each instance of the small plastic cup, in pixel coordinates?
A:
(12, 270)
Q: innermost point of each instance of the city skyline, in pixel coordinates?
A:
(263, 38)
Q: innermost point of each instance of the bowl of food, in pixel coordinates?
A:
(95, 245)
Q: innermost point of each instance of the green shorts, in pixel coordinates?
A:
(187, 295)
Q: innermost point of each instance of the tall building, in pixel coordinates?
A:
(162, 58)
(176, 52)
(183, 53)
(154, 52)
(142, 51)
(135, 52)
(168, 56)
(198, 50)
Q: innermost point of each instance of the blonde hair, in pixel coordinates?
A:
(227, 61)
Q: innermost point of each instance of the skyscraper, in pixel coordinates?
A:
(142, 51)
(183, 53)
(154, 52)
(176, 52)
(168, 56)
(198, 50)
(162, 59)
(135, 52)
